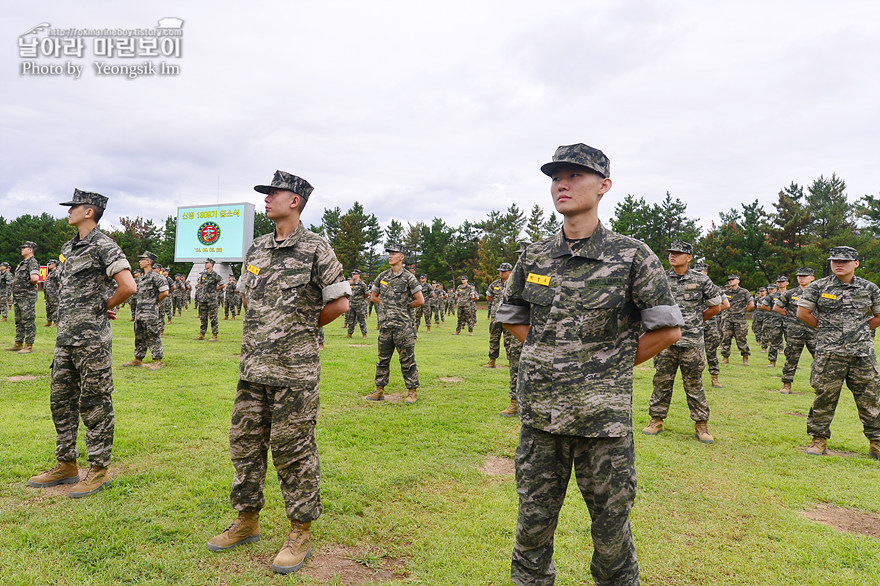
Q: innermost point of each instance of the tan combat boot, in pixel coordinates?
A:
(96, 479)
(511, 410)
(818, 447)
(225, 317)
(245, 529)
(213, 338)
(297, 549)
(199, 337)
(772, 364)
(15, 347)
(48, 324)
(28, 348)
(725, 360)
(746, 361)
(412, 396)
(786, 389)
(156, 364)
(874, 449)
(701, 432)
(135, 362)
(347, 335)
(490, 364)
(654, 427)
(716, 383)
(62, 473)
(377, 395)
(428, 328)
(365, 336)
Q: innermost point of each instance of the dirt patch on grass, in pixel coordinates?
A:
(450, 379)
(495, 466)
(848, 520)
(803, 449)
(353, 565)
(781, 393)
(794, 413)
(21, 378)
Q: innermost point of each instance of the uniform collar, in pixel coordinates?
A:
(290, 241)
(88, 239)
(594, 247)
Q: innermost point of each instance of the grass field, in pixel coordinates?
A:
(405, 500)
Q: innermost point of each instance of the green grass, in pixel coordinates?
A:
(403, 482)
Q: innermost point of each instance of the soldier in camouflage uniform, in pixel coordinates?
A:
(797, 333)
(5, 289)
(450, 301)
(360, 292)
(699, 300)
(50, 292)
(774, 322)
(493, 298)
(24, 297)
(177, 295)
(166, 310)
(187, 295)
(512, 346)
(736, 325)
(465, 295)
(579, 301)
(844, 309)
(152, 290)
(758, 318)
(82, 365)
(438, 304)
(292, 284)
(229, 298)
(207, 298)
(132, 301)
(397, 292)
(425, 309)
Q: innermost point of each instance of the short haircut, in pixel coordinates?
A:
(98, 212)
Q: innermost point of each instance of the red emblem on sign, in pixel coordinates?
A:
(209, 233)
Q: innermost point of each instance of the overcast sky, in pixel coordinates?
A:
(445, 109)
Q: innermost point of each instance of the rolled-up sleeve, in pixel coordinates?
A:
(809, 296)
(335, 291)
(662, 316)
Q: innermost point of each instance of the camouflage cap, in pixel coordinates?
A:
(764, 289)
(5, 264)
(149, 256)
(504, 267)
(681, 246)
(771, 286)
(393, 247)
(288, 181)
(425, 277)
(732, 276)
(463, 277)
(88, 198)
(782, 279)
(701, 266)
(843, 253)
(52, 262)
(29, 244)
(581, 155)
(805, 272)
(355, 272)
(210, 260)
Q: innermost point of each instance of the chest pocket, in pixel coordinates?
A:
(291, 286)
(860, 302)
(599, 308)
(826, 304)
(693, 295)
(82, 263)
(536, 294)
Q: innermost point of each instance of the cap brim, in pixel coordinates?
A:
(69, 203)
(263, 188)
(549, 168)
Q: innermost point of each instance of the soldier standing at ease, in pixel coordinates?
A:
(132, 301)
(512, 345)
(493, 298)
(438, 305)
(579, 301)
(206, 296)
(844, 309)
(758, 318)
(24, 297)
(465, 295)
(152, 290)
(736, 325)
(292, 284)
(229, 298)
(360, 291)
(774, 322)
(797, 333)
(699, 299)
(82, 365)
(712, 333)
(50, 291)
(425, 309)
(5, 289)
(177, 295)
(187, 295)
(396, 292)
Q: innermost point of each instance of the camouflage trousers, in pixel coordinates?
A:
(82, 386)
(466, 316)
(773, 338)
(359, 317)
(513, 347)
(403, 340)
(208, 311)
(735, 328)
(4, 307)
(437, 312)
(146, 337)
(177, 305)
(52, 308)
(422, 311)
(281, 419)
(229, 307)
(320, 335)
(758, 330)
(496, 331)
(827, 377)
(165, 307)
(450, 308)
(606, 476)
(25, 319)
(690, 362)
(795, 341)
(712, 339)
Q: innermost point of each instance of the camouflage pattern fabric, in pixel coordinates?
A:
(829, 372)
(774, 327)
(513, 347)
(165, 306)
(712, 340)
(735, 324)
(606, 476)
(464, 295)
(229, 295)
(147, 321)
(758, 323)
(395, 294)
(50, 291)
(24, 300)
(797, 334)
(694, 292)
(424, 311)
(396, 328)
(281, 419)
(208, 313)
(5, 292)
(691, 362)
(402, 339)
(437, 306)
(358, 306)
(188, 293)
(208, 292)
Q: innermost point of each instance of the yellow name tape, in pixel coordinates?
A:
(538, 279)
(829, 296)
(253, 269)
(61, 257)
(384, 282)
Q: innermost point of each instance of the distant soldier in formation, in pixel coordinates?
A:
(844, 309)
(797, 333)
(50, 291)
(437, 308)
(206, 296)
(152, 290)
(229, 298)
(132, 301)
(450, 301)
(758, 318)
(177, 295)
(774, 322)
(496, 330)
(425, 309)
(465, 298)
(736, 325)
(360, 291)
(82, 364)
(165, 306)
(5, 289)
(187, 295)
(397, 292)
(24, 298)
(512, 345)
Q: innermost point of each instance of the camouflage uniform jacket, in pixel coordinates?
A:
(843, 311)
(395, 294)
(789, 302)
(586, 311)
(229, 291)
(87, 269)
(286, 285)
(208, 288)
(21, 283)
(739, 301)
(359, 292)
(694, 292)
(52, 284)
(427, 293)
(149, 286)
(771, 318)
(496, 292)
(465, 294)
(6, 283)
